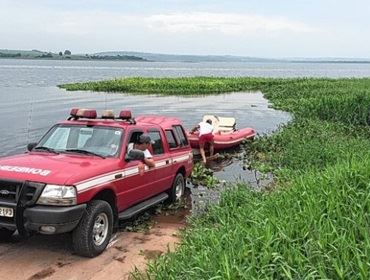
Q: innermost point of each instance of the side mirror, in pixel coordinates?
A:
(30, 146)
(134, 154)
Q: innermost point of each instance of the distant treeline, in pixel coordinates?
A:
(69, 56)
(10, 54)
(116, 57)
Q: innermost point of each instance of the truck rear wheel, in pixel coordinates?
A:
(5, 234)
(94, 231)
(178, 188)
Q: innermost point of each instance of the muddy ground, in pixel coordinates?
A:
(51, 257)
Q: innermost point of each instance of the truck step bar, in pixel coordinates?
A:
(130, 212)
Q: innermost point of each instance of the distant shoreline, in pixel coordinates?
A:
(157, 57)
(184, 61)
(66, 55)
(73, 59)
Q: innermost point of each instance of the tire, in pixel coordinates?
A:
(178, 188)
(5, 234)
(93, 233)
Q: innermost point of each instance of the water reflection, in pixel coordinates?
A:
(231, 173)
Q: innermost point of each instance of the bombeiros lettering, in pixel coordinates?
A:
(22, 169)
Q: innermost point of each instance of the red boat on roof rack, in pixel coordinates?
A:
(225, 133)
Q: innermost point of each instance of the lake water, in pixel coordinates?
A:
(30, 102)
(24, 73)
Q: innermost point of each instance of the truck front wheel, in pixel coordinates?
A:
(94, 231)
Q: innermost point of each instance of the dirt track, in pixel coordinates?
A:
(51, 257)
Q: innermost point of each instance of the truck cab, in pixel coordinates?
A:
(80, 177)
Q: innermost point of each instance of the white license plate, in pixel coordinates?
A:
(6, 212)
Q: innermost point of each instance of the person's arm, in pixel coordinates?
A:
(148, 159)
(149, 162)
(195, 129)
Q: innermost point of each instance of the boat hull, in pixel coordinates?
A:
(224, 140)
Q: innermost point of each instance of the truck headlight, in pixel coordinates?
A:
(58, 195)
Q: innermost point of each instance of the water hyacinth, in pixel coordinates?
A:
(315, 223)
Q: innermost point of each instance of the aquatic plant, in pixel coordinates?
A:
(305, 231)
(169, 86)
(314, 225)
(203, 176)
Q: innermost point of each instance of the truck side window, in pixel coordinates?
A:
(134, 136)
(158, 144)
(171, 139)
(180, 135)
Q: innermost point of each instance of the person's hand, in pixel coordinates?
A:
(141, 168)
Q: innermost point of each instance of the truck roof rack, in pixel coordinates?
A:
(78, 113)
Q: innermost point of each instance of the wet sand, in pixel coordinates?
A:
(51, 257)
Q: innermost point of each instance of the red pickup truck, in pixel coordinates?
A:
(79, 178)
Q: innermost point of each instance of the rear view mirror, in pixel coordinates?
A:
(134, 154)
(30, 146)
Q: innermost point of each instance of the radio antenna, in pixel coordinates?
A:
(29, 121)
(105, 101)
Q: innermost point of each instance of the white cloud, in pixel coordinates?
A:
(226, 23)
(182, 32)
(78, 23)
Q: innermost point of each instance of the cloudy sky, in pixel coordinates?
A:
(259, 28)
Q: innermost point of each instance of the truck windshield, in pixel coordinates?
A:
(89, 140)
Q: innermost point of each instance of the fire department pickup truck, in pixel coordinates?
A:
(78, 177)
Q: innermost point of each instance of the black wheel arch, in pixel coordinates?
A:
(109, 196)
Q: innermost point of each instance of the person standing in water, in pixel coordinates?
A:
(205, 136)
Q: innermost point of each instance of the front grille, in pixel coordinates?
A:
(13, 192)
(18, 195)
(30, 193)
(9, 190)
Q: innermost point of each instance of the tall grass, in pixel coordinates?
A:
(315, 229)
(307, 144)
(315, 224)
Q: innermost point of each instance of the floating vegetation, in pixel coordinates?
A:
(203, 176)
(170, 86)
(315, 223)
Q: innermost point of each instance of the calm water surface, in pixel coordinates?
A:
(30, 102)
(26, 115)
(25, 73)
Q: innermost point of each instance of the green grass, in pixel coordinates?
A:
(307, 231)
(315, 223)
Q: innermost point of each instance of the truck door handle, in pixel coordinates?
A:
(167, 161)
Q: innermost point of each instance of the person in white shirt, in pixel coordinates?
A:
(205, 136)
(143, 144)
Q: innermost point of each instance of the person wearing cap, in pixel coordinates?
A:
(142, 144)
(205, 136)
